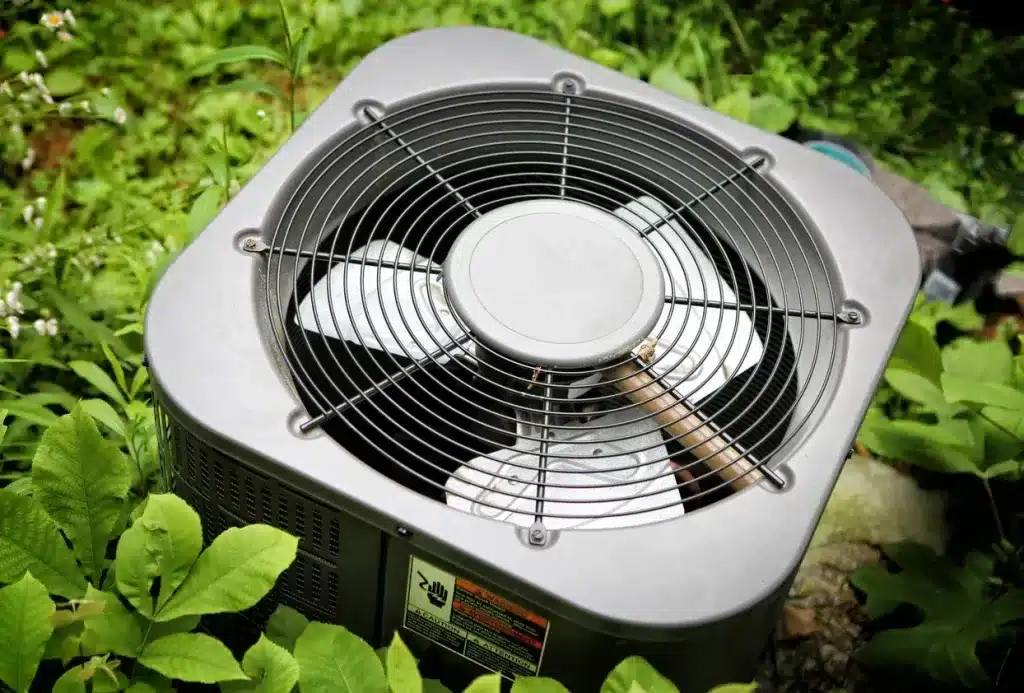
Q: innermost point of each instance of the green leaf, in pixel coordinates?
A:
(666, 78)
(959, 389)
(55, 202)
(1015, 242)
(735, 688)
(1009, 420)
(234, 573)
(31, 542)
(26, 615)
(203, 211)
(82, 480)
(944, 447)
(271, 667)
(333, 660)
(917, 351)
(115, 629)
(74, 316)
(981, 361)
(72, 681)
(402, 671)
(1013, 469)
(964, 316)
(105, 414)
(193, 657)
(953, 601)
(736, 105)
(639, 670)
(98, 378)
(115, 364)
(537, 684)
(612, 8)
(63, 82)
(301, 53)
(917, 388)
(237, 54)
(488, 683)
(163, 542)
(285, 626)
(252, 86)
(434, 686)
(771, 113)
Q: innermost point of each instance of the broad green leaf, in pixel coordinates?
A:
(285, 626)
(944, 447)
(105, 414)
(301, 52)
(917, 388)
(537, 684)
(434, 686)
(917, 351)
(1013, 469)
(98, 378)
(735, 688)
(964, 316)
(74, 316)
(82, 480)
(163, 542)
(193, 657)
(31, 542)
(72, 681)
(979, 361)
(666, 78)
(771, 113)
(957, 613)
(488, 683)
(957, 389)
(636, 669)
(237, 54)
(1015, 242)
(115, 629)
(3, 428)
(271, 668)
(204, 209)
(333, 660)
(735, 105)
(62, 81)
(26, 624)
(1009, 420)
(402, 671)
(252, 86)
(234, 573)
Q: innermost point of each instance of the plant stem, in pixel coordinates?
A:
(995, 509)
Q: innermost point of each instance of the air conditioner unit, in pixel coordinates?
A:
(544, 366)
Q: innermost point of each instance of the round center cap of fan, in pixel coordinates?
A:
(555, 283)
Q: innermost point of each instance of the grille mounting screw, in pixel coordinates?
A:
(538, 535)
(404, 532)
(851, 317)
(254, 245)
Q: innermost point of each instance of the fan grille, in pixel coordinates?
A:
(435, 401)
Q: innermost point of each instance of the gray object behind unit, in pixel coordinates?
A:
(697, 596)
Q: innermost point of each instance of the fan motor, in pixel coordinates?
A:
(542, 365)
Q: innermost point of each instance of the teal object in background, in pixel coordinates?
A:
(840, 154)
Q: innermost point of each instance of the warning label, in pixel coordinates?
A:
(476, 623)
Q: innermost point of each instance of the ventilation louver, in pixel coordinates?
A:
(543, 366)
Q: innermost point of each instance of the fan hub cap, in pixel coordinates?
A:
(555, 283)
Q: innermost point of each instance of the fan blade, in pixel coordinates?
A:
(612, 449)
(411, 324)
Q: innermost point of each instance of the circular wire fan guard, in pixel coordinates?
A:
(389, 360)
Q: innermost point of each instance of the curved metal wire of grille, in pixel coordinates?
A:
(419, 175)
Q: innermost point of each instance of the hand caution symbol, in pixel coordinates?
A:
(437, 594)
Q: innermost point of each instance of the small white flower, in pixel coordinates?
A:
(17, 286)
(88, 240)
(27, 213)
(48, 99)
(26, 163)
(120, 115)
(39, 326)
(52, 20)
(40, 203)
(16, 130)
(261, 113)
(233, 188)
(117, 240)
(14, 326)
(5, 89)
(41, 57)
(37, 79)
(105, 91)
(70, 18)
(38, 222)
(64, 35)
(52, 252)
(85, 106)
(64, 109)
(51, 327)
(25, 79)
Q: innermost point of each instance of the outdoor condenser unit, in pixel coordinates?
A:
(544, 366)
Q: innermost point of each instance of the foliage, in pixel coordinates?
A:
(958, 607)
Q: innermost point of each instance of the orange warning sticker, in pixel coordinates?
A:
(478, 624)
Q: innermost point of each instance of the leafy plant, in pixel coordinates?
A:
(958, 607)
